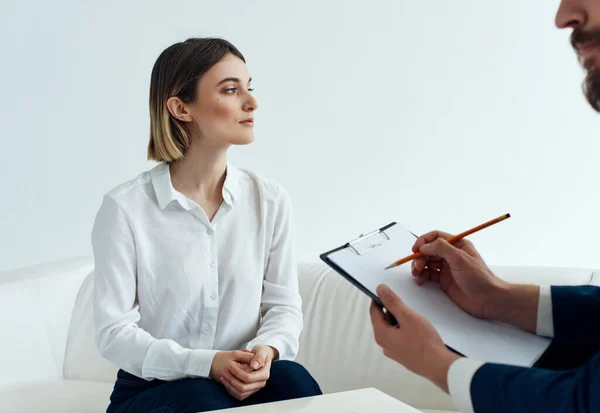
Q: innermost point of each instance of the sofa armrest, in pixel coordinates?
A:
(545, 275)
(36, 305)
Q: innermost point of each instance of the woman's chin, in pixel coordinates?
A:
(243, 140)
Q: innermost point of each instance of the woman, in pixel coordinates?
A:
(196, 289)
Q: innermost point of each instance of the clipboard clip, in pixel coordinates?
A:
(375, 239)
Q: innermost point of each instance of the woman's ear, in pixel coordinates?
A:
(178, 109)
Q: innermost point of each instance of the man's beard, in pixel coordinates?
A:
(591, 84)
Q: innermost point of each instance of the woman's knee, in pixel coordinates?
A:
(201, 394)
(294, 376)
(288, 367)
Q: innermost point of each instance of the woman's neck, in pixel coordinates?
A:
(200, 175)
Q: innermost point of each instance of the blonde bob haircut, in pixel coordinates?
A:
(176, 72)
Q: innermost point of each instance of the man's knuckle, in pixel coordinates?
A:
(462, 257)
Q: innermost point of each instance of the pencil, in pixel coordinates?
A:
(451, 240)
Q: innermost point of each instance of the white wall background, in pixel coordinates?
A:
(435, 114)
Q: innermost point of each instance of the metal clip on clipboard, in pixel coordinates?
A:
(367, 242)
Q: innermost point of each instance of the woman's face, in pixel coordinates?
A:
(223, 112)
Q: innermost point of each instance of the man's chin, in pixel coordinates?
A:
(591, 85)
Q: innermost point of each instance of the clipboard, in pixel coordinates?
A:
(357, 245)
(362, 262)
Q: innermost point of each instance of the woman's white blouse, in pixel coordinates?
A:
(171, 288)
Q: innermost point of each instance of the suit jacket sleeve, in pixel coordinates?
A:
(576, 314)
(499, 388)
(572, 317)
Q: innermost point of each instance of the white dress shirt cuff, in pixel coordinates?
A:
(200, 362)
(545, 322)
(460, 375)
(274, 342)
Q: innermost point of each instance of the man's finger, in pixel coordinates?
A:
(441, 248)
(418, 265)
(391, 301)
(424, 276)
(377, 316)
(380, 325)
(435, 264)
(428, 238)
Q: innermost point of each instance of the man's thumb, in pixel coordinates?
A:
(390, 300)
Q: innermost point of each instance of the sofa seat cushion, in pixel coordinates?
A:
(65, 396)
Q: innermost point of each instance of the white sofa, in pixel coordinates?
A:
(49, 362)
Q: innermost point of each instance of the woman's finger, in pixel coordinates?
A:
(239, 385)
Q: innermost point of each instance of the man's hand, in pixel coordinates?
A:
(243, 380)
(414, 343)
(462, 274)
(458, 269)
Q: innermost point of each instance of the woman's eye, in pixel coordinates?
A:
(233, 90)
